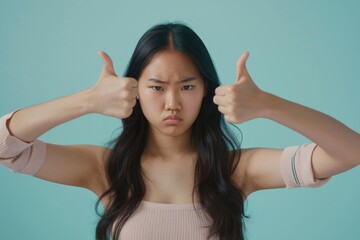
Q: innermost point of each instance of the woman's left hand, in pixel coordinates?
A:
(243, 100)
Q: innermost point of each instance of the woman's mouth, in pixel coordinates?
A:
(172, 119)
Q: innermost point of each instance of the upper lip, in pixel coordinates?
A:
(173, 117)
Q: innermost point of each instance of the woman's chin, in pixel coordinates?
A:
(173, 131)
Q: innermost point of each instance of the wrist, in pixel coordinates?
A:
(87, 101)
(272, 104)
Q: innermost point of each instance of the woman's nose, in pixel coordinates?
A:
(172, 101)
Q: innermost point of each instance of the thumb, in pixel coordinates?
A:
(241, 65)
(108, 64)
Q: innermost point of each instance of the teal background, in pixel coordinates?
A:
(303, 51)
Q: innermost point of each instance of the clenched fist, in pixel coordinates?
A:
(114, 96)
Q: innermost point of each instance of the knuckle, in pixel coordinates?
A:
(232, 109)
(130, 82)
(215, 99)
(220, 108)
(232, 98)
(124, 82)
(126, 94)
(232, 89)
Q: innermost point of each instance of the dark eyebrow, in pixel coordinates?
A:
(163, 82)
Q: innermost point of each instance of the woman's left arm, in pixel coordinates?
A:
(338, 147)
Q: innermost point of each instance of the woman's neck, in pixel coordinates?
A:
(168, 148)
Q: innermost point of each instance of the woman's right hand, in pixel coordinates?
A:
(113, 96)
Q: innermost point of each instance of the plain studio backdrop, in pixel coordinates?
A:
(306, 52)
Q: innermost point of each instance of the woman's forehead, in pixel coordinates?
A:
(168, 65)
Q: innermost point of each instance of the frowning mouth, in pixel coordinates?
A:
(172, 119)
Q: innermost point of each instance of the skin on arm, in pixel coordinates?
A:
(262, 169)
(244, 101)
(77, 165)
(69, 165)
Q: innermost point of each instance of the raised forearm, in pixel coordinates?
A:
(29, 123)
(335, 138)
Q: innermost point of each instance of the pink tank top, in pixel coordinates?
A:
(160, 221)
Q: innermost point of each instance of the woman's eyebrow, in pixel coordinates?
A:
(181, 81)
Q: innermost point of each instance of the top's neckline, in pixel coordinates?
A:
(170, 206)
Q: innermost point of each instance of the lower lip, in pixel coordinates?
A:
(172, 121)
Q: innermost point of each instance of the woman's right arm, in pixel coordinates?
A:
(75, 165)
(27, 124)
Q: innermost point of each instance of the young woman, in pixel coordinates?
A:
(176, 171)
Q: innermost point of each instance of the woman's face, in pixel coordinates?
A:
(171, 85)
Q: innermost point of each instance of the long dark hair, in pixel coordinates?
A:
(216, 145)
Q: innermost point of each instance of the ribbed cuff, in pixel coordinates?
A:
(37, 158)
(296, 167)
(17, 155)
(10, 146)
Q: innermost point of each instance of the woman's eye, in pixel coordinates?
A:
(188, 87)
(157, 88)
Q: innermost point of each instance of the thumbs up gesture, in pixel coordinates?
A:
(113, 96)
(243, 100)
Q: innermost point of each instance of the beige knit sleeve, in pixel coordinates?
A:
(296, 167)
(17, 155)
